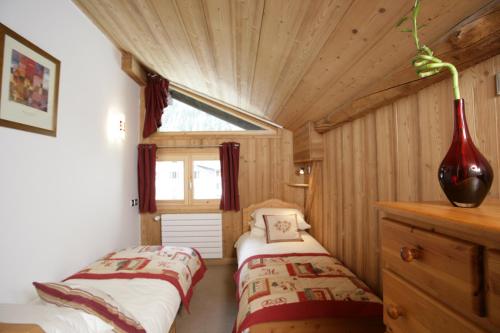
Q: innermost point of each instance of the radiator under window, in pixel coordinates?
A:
(202, 231)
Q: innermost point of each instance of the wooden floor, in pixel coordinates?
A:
(213, 306)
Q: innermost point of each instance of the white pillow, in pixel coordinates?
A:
(257, 232)
(258, 216)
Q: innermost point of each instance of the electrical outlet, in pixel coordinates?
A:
(132, 202)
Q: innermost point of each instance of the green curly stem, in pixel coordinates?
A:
(425, 63)
(416, 9)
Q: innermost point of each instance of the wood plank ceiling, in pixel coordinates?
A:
(290, 61)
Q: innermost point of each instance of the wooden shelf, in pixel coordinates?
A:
(307, 144)
(299, 185)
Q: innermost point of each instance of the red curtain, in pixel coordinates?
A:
(156, 95)
(230, 163)
(146, 168)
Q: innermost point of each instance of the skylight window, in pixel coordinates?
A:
(186, 114)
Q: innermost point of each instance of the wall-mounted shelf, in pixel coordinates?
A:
(299, 185)
(307, 144)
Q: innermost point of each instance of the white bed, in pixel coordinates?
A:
(249, 245)
(154, 303)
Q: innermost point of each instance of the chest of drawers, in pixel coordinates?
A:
(440, 267)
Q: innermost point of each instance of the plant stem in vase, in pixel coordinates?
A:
(464, 174)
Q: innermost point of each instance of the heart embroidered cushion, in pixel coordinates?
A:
(282, 228)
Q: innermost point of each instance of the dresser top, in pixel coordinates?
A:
(480, 223)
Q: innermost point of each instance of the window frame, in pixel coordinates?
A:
(200, 157)
(269, 129)
(188, 157)
(174, 157)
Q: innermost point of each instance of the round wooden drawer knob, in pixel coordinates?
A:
(409, 255)
(394, 311)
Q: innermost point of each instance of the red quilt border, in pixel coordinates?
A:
(312, 309)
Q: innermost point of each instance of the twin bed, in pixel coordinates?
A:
(296, 286)
(292, 286)
(138, 289)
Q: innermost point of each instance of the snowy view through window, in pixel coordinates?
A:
(180, 117)
(169, 180)
(206, 180)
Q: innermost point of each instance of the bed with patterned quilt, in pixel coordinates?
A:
(138, 289)
(286, 281)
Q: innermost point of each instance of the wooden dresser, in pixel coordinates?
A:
(440, 267)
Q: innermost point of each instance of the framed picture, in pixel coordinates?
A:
(29, 85)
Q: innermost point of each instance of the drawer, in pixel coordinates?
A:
(407, 309)
(493, 286)
(446, 268)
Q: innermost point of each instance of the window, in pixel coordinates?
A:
(206, 180)
(188, 114)
(188, 179)
(170, 180)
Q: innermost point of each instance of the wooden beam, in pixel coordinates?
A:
(133, 68)
(471, 42)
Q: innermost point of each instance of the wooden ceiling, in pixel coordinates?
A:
(290, 61)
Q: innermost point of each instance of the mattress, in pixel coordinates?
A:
(249, 245)
(154, 303)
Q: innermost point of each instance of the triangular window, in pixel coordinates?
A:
(186, 114)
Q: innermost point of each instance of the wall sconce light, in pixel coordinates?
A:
(303, 170)
(122, 129)
(116, 126)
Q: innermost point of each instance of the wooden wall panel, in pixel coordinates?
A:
(266, 166)
(370, 232)
(393, 154)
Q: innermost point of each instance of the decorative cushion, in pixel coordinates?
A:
(282, 228)
(92, 301)
(258, 216)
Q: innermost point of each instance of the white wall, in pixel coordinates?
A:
(65, 201)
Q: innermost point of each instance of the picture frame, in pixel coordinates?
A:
(29, 85)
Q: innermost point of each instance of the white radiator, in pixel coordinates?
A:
(201, 231)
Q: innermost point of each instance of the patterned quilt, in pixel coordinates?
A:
(183, 267)
(299, 286)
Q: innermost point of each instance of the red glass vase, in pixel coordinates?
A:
(464, 174)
